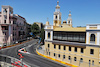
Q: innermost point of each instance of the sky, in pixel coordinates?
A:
(83, 11)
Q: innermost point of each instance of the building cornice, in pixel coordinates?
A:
(93, 30)
(48, 29)
(72, 43)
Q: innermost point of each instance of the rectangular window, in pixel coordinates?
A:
(63, 56)
(69, 48)
(92, 62)
(59, 47)
(4, 21)
(82, 50)
(64, 47)
(81, 60)
(48, 35)
(91, 51)
(54, 46)
(54, 55)
(75, 49)
(49, 53)
(59, 55)
(48, 45)
(69, 58)
(75, 59)
(4, 33)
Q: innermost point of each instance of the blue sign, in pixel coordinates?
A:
(31, 34)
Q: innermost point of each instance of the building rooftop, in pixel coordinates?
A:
(72, 29)
(20, 16)
(6, 6)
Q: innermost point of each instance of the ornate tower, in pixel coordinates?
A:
(69, 20)
(57, 15)
(6, 12)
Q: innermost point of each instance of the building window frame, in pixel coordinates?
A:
(75, 50)
(81, 60)
(5, 21)
(59, 47)
(69, 48)
(82, 50)
(92, 38)
(92, 51)
(89, 62)
(49, 53)
(48, 45)
(56, 16)
(58, 55)
(69, 57)
(54, 54)
(54, 46)
(75, 59)
(49, 35)
(64, 47)
(64, 56)
(92, 62)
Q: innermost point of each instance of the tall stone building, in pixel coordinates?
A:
(12, 27)
(75, 46)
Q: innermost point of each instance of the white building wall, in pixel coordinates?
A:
(87, 37)
(98, 38)
(45, 35)
(51, 35)
(98, 27)
(87, 27)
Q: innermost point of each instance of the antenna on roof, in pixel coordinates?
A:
(57, 2)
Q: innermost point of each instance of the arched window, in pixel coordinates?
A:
(75, 58)
(56, 16)
(92, 37)
(69, 58)
(63, 56)
(5, 10)
(89, 61)
(48, 34)
(49, 53)
(69, 22)
(54, 54)
(59, 55)
(93, 62)
(48, 45)
(81, 60)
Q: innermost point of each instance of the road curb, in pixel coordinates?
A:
(55, 59)
(16, 44)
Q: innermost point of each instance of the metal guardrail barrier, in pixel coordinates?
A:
(8, 61)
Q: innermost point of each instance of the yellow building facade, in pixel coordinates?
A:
(79, 46)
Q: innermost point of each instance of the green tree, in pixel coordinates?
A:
(35, 29)
(42, 35)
